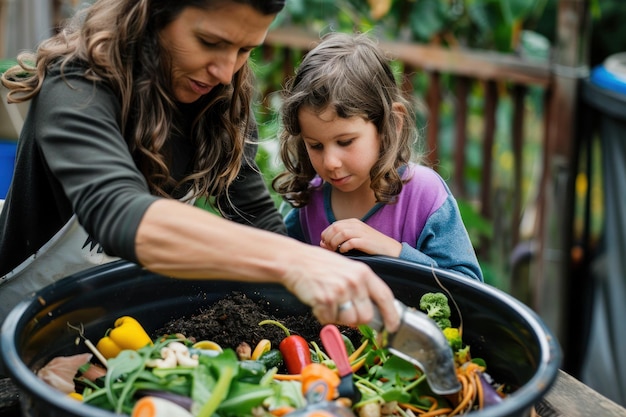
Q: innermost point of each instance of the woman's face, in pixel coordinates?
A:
(207, 47)
(342, 151)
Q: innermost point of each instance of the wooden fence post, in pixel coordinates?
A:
(553, 261)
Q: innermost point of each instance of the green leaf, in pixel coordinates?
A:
(123, 364)
(286, 393)
(202, 384)
(396, 367)
(243, 397)
(514, 10)
(396, 394)
(219, 393)
(426, 19)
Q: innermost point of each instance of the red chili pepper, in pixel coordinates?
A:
(294, 348)
(296, 353)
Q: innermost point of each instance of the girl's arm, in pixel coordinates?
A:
(294, 227)
(444, 243)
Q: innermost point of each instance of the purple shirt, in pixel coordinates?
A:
(403, 221)
(425, 219)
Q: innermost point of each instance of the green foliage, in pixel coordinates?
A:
(482, 24)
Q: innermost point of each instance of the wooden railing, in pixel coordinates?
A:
(536, 225)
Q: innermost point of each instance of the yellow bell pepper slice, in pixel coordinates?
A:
(263, 346)
(127, 334)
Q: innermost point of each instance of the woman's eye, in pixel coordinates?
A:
(207, 43)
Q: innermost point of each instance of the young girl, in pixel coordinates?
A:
(346, 147)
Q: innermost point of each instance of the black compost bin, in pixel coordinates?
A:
(516, 345)
(604, 110)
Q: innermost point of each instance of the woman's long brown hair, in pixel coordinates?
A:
(116, 41)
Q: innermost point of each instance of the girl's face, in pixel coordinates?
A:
(207, 47)
(342, 151)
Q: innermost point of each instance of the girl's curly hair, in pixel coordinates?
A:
(351, 75)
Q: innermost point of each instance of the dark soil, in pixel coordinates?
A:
(236, 319)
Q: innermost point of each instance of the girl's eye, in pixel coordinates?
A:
(315, 146)
(345, 142)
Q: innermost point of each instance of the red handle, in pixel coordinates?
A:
(336, 349)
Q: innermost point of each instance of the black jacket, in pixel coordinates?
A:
(72, 158)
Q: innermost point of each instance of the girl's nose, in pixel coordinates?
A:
(331, 160)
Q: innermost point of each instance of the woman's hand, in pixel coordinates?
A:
(339, 290)
(346, 235)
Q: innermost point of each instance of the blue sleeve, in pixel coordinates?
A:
(444, 243)
(294, 228)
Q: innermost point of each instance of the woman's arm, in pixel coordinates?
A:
(186, 242)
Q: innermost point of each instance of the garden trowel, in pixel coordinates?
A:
(420, 341)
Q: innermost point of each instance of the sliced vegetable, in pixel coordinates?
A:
(207, 345)
(271, 359)
(126, 334)
(489, 396)
(60, 371)
(181, 400)
(263, 346)
(294, 348)
(315, 372)
(158, 407)
(76, 396)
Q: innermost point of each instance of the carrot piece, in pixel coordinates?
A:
(281, 411)
(158, 407)
(355, 355)
(433, 411)
(468, 394)
(357, 365)
(479, 389)
(411, 407)
(438, 412)
(314, 372)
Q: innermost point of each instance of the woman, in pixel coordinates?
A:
(139, 108)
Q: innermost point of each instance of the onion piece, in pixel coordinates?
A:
(180, 400)
(60, 371)
(490, 395)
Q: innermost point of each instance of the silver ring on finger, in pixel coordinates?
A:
(345, 306)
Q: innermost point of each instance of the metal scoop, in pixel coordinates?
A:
(420, 341)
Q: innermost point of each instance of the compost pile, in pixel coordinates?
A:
(235, 319)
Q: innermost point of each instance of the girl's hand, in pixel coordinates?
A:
(346, 235)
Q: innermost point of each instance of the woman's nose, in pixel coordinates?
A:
(224, 68)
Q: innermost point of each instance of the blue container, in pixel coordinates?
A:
(611, 75)
(7, 164)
